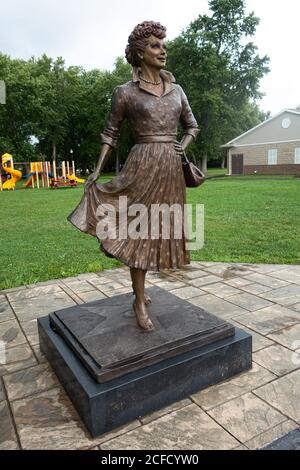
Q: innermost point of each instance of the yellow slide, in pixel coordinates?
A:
(28, 182)
(74, 178)
(16, 175)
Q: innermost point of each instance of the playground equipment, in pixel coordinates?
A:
(39, 174)
(68, 178)
(38, 169)
(74, 178)
(8, 167)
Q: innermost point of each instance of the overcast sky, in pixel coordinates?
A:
(92, 33)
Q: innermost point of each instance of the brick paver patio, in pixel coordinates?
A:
(246, 412)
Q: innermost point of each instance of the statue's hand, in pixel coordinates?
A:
(178, 148)
(92, 179)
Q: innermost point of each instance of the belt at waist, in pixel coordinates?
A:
(147, 139)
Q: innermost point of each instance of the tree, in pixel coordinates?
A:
(64, 109)
(219, 70)
(17, 116)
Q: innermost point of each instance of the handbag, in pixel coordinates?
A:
(192, 175)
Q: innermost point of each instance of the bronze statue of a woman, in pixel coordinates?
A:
(153, 103)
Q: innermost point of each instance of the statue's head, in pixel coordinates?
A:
(146, 44)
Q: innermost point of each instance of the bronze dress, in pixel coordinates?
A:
(152, 173)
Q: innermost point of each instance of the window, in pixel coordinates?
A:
(297, 155)
(272, 157)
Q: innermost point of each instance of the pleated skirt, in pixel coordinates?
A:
(152, 176)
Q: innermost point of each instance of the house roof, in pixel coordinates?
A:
(232, 142)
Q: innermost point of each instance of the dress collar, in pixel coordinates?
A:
(167, 77)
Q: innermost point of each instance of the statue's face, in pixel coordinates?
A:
(155, 53)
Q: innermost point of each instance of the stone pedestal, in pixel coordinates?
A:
(114, 372)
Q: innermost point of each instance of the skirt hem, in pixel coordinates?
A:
(152, 269)
(110, 255)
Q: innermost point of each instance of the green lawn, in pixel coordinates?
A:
(216, 171)
(247, 219)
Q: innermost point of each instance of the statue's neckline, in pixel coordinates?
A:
(168, 87)
(166, 76)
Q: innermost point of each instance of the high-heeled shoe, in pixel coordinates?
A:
(142, 318)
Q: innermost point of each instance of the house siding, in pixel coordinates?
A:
(256, 158)
(272, 131)
(272, 169)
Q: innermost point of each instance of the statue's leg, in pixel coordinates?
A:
(139, 305)
(147, 298)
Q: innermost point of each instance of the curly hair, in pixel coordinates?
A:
(138, 40)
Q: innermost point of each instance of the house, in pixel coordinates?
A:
(272, 147)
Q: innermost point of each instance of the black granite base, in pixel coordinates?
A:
(104, 406)
(105, 337)
(290, 441)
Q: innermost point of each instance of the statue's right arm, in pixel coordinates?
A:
(111, 132)
(104, 155)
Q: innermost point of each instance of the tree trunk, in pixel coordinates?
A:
(204, 164)
(53, 151)
(117, 161)
(223, 162)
